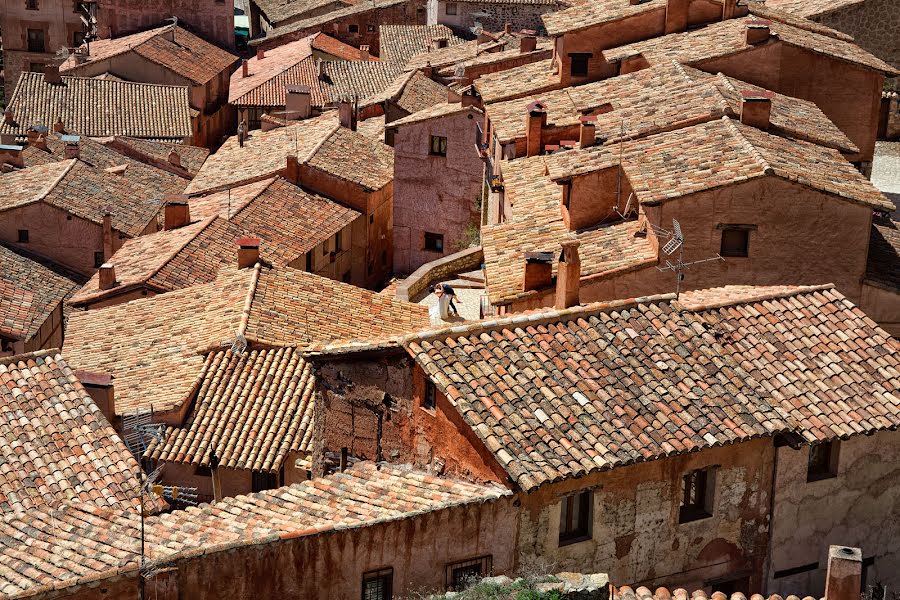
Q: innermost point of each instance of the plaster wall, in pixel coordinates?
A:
(50, 333)
(211, 19)
(882, 305)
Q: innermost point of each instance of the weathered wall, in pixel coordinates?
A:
(882, 305)
(636, 535)
(518, 15)
(211, 19)
(873, 24)
(438, 194)
(340, 266)
(50, 333)
(857, 508)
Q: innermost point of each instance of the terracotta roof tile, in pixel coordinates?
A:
(172, 47)
(435, 112)
(420, 93)
(354, 157)
(320, 21)
(100, 107)
(276, 11)
(884, 253)
(517, 82)
(589, 14)
(642, 593)
(809, 9)
(191, 157)
(399, 43)
(57, 446)
(348, 80)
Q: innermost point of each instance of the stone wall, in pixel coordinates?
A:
(439, 270)
(518, 15)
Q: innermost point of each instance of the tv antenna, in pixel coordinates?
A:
(675, 244)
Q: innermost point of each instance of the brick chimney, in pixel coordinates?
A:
(51, 74)
(588, 133)
(260, 54)
(292, 172)
(677, 15)
(428, 70)
(177, 212)
(538, 270)
(107, 275)
(756, 109)
(297, 102)
(100, 388)
(470, 98)
(347, 114)
(758, 32)
(37, 137)
(844, 578)
(11, 154)
(245, 68)
(248, 252)
(364, 52)
(59, 126)
(73, 150)
(568, 276)
(107, 236)
(527, 44)
(535, 121)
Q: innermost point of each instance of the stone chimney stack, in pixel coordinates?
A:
(568, 276)
(245, 68)
(758, 32)
(588, 133)
(538, 270)
(844, 578)
(51, 74)
(107, 276)
(177, 212)
(535, 121)
(248, 252)
(527, 44)
(297, 102)
(347, 114)
(100, 388)
(756, 109)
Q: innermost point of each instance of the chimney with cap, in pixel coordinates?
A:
(844, 577)
(538, 270)
(588, 132)
(364, 52)
(245, 68)
(347, 114)
(107, 276)
(756, 109)
(99, 387)
(568, 276)
(757, 32)
(9, 117)
(297, 102)
(73, 150)
(177, 212)
(59, 126)
(248, 252)
(51, 74)
(535, 121)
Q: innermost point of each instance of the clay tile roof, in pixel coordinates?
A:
(276, 11)
(346, 79)
(435, 112)
(321, 21)
(84, 543)
(354, 157)
(517, 82)
(263, 156)
(191, 157)
(883, 265)
(589, 14)
(420, 93)
(809, 9)
(251, 409)
(642, 593)
(57, 446)
(29, 293)
(133, 198)
(174, 48)
(453, 53)
(100, 107)
(399, 43)
(165, 338)
(544, 49)
(728, 37)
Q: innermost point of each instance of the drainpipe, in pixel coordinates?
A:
(766, 571)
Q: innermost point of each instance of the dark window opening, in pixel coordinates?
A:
(98, 260)
(434, 242)
(309, 261)
(378, 585)
(337, 242)
(31, 4)
(370, 28)
(735, 242)
(451, 8)
(263, 481)
(203, 471)
(698, 489)
(461, 575)
(37, 67)
(438, 146)
(36, 40)
(371, 219)
(823, 461)
(429, 401)
(77, 38)
(354, 29)
(23, 236)
(575, 518)
(579, 64)
(384, 258)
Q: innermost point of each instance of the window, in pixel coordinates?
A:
(579, 66)
(36, 67)
(735, 242)
(434, 242)
(575, 518)
(31, 4)
(263, 481)
(337, 242)
(438, 146)
(451, 8)
(429, 400)
(370, 28)
(23, 236)
(823, 461)
(354, 29)
(309, 261)
(697, 495)
(77, 38)
(377, 585)
(461, 575)
(98, 260)
(36, 40)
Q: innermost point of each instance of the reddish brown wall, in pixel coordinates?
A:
(211, 19)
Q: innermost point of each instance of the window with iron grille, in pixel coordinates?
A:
(438, 146)
(36, 40)
(698, 491)
(377, 585)
(461, 575)
(575, 518)
(823, 459)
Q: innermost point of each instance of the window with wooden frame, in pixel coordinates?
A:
(578, 64)
(823, 461)
(461, 575)
(575, 518)
(429, 398)
(378, 585)
(697, 494)
(438, 146)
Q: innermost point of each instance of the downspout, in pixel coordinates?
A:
(769, 544)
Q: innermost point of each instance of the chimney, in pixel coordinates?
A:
(347, 114)
(107, 275)
(568, 276)
(292, 173)
(535, 121)
(757, 32)
(11, 154)
(37, 137)
(51, 74)
(453, 97)
(844, 577)
(527, 44)
(100, 388)
(174, 158)
(260, 54)
(469, 98)
(588, 132)
(248, 252)
(9, 116)
(59, 126)
(107, 236)
(538, 270)
(73, 150)
(756, 108)
(428, 70)
(364, 52)
(297, 102)
(177, 212)
(507, 28)
(245, 68)
(676, 15)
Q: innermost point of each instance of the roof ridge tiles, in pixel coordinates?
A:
(62, 175)
(748, 297)
(15, 358)
(320, 143)
(248, 301)
(766, 167)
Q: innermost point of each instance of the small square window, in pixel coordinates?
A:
(98, 260)
(735, 242)
(461, 575)
(354, 28)
(438, 146)
(579, 64)
(434, 242)
(31, 4)
(23, 236)
(370, 28)
(698, 492)
(823, 461)
(378, 585)
(429, 400)
(575, 518)
(451, 8)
